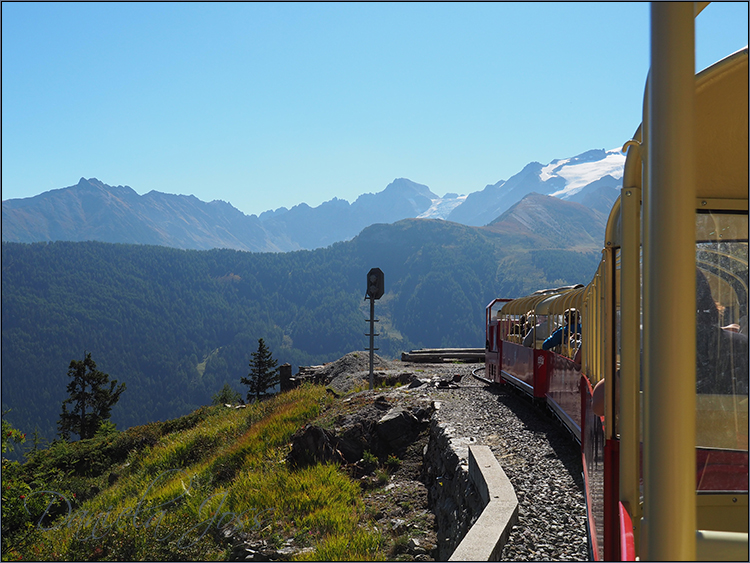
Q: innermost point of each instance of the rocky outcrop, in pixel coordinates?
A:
(389, 425)
(313, 444)
(349, 370)
(380, 428)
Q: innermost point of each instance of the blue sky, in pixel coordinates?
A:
(270, 105)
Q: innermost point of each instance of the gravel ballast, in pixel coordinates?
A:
(539, 456)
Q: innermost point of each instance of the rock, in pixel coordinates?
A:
(415, 548)
(423, 414)
(381, 403)
(398, 525)
(355, 439)
(398, 428)
(395, 423)
(312, 444)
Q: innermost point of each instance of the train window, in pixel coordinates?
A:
(721, 330)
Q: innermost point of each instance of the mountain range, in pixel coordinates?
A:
(93, 210)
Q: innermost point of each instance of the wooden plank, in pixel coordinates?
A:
(447, 350)
(438, 356)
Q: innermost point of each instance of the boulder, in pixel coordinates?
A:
(398, 427)
(313, 444)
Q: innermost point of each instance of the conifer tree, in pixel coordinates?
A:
(92, 400)
(226, 395)
(263, 372)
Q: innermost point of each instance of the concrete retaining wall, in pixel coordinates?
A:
(486, 538)
(453, 498)
(474, 503)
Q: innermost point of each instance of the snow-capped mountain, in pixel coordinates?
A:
(593, 176)
(584, 169)
(441, 207)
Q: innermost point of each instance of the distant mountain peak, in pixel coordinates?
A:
(406, 186)
(93, 210)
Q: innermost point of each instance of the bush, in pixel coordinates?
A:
(392, 463)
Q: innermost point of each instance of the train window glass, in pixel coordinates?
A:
(721, 331)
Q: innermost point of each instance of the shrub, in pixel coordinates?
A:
(392, 462)
(369, 458)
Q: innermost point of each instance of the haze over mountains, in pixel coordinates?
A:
(93, 210)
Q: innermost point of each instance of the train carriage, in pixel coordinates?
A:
(658, 395)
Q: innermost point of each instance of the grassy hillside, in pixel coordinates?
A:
(168, 491)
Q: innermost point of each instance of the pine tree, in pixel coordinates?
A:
(91, 399)
(226, 395)
(263, 372)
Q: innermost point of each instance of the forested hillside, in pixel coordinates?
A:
(175, 325)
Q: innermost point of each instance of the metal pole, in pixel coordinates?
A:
(669, 279)
(630, 369)
(372, 340)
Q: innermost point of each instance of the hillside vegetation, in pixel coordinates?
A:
(176, 325)
(169, 491)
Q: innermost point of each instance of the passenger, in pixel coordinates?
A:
(558, 337)
(519, 326)
(538, 332)
(721, 355)
(528, 324)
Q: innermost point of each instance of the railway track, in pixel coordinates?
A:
(539, 457)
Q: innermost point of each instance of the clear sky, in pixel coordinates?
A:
(270, 105)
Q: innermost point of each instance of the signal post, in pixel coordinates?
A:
(375, 290)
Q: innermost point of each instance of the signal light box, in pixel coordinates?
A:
(375, 283)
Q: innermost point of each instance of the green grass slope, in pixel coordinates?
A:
(168, 491)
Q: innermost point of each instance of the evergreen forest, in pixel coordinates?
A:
(177, 325)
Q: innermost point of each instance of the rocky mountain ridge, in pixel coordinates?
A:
(93, 210)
